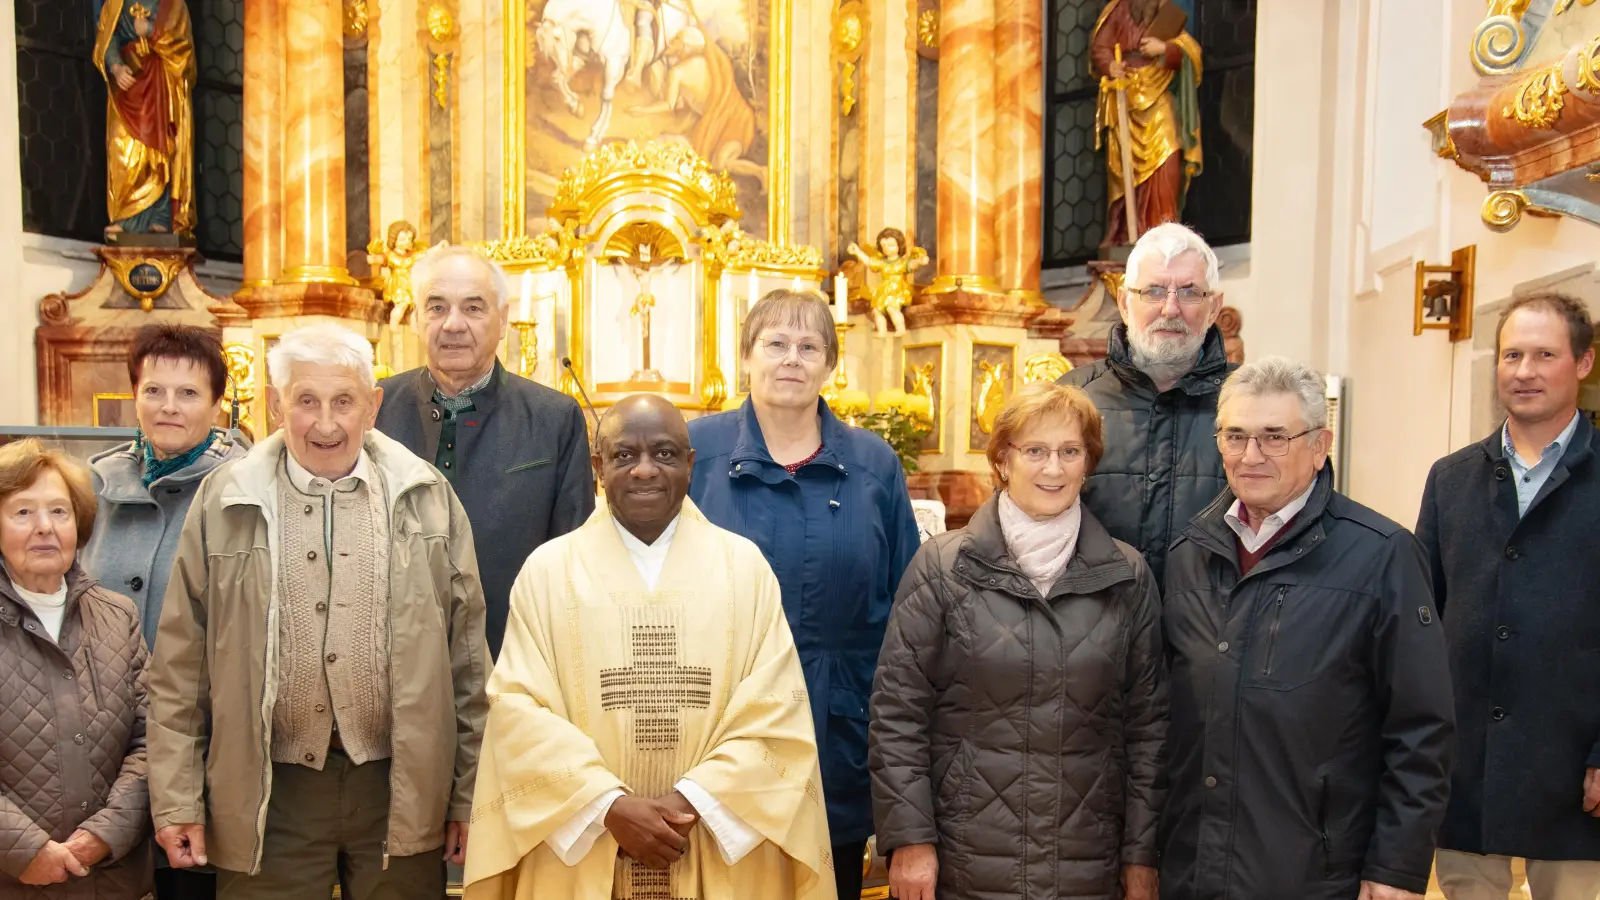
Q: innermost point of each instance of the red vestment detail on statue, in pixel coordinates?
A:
(145, 107)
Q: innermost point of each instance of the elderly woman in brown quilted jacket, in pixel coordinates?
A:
(1020, 710)
(74, 811)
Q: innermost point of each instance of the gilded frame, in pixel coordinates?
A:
(113, 396)
(909, 355)
(514, 172)
(983, 351)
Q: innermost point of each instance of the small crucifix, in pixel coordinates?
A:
(644, 264)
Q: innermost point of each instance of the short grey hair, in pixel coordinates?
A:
(1168, 242)
(320, 345)
(1276, 375)
(785, 308)
(422, 272)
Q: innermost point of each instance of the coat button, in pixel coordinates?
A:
(333, 657)
(77, 739)
(1497, 713)
(308, 509)
(311, 757)
(67, 675)
(1222, 647)
(739, 468)
(1511, 553)
(1154, 476)
(321, 709)
(84, 806)
(322, 607)
(311, 554)
(447, 464)
(136, 583)
(1211, 781)
(1502, 632)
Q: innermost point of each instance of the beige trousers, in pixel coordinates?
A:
(1468, 876)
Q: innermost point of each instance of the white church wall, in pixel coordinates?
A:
(17, 405)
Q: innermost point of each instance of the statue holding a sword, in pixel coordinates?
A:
(1147, 116)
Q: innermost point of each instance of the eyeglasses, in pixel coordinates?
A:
(778, 348)
(1235, 443)
(1156, 295)
(1039, 454)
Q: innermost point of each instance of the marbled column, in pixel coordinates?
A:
(1019, 142)
(263, 141)
(966, 144)
(313, 145)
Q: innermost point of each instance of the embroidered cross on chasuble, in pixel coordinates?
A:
(606, 684)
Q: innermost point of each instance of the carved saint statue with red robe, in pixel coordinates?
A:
(145, 51)
(1163, 115)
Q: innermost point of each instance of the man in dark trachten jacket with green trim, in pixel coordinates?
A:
(516, 452)
(1511, 526)
(1310, 692)
(1157, 389)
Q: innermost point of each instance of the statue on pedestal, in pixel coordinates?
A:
(395, 255)
(145, 51)
(1147, 114)
(895, 260)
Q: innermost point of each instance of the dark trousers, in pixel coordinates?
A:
(326, 828)
(182, 884)
(849, 868)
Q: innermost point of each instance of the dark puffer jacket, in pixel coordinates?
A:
(72, 752)
(1022, 735)
(1161, 465)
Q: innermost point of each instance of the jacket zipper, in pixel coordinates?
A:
(1322, 826)
(1272, 633)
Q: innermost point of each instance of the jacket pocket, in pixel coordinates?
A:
(532, 464)
(1298, 634)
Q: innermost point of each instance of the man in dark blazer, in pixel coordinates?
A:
(516, 452)
(1511, 527)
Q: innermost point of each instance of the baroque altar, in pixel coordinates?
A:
(641, 279)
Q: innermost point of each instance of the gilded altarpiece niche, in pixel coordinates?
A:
(603, 71)
(994, 377)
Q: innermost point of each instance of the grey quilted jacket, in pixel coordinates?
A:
(1022, 735)
(72, 751)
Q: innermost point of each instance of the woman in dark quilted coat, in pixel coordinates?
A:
(74, 809)
(1019, 713)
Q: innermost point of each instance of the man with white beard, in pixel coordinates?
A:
(1157, 389)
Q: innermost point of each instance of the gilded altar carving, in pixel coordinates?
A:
(1564, 5)
(1503, 209)
(241, 388)
(1589, 67)
(136, 275)
(849, 45)
(1045, 367)
(1499, 40)
(145, 53)
(356, 19)
(1540, 98)
(928, 28)
(653, 165)
(756, 254)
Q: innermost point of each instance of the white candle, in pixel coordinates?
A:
(525, 304)
(841, 299)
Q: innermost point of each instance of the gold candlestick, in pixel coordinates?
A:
(527, 347)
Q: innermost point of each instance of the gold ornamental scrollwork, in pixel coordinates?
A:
(1503, 209)
(1589, 67)
(356, 17)
(1540, 99)
(755, 254)
(653, 165)
(241, 389)
(1564, 5)
(1499, 40)
(145, 292)
(1045, 367)
(441, 79)
(849, 45)
(928, 28)
(441, 23)
(555, 248)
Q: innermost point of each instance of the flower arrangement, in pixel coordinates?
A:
(903, 420)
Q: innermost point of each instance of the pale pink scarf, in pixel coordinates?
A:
(1041, 547)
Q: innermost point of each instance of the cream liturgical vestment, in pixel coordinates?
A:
(605, 683)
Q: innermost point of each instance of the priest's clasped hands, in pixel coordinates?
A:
(654, 832)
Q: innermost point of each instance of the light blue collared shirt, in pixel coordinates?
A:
(1530, 478)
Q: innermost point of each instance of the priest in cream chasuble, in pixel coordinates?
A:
(649, 735)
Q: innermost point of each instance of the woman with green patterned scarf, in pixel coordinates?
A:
(144, 488)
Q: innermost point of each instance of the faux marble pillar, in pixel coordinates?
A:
(314, 143)
(966, 146)
(263, 142)
(1019, 143)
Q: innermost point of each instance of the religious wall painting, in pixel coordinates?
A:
(994, 377)
(601, 71)
(922, 366)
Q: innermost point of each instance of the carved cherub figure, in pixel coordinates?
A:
(396, 254)
(894, 261)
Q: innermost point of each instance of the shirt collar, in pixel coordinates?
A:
(469, 390)
(1237, 517)
(1559, 444)
(307, 483)
(662, 543)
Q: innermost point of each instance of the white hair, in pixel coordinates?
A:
(320, 345)
(1276, 375)
(1168, 242)
(422, 272)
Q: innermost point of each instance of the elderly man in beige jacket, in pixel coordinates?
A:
(317, 701)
